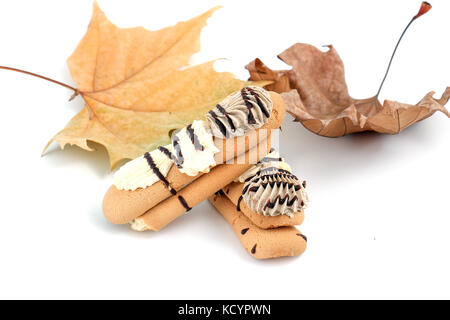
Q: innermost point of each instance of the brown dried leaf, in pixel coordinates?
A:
(260, 72)
(317, 96)
(135, 89)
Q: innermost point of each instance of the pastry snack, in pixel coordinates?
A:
(263, 205)
(269, 194)
(162, 214)
(239, 123)
(260, 243)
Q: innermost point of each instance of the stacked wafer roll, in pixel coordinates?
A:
(151, 191)
(263, 205)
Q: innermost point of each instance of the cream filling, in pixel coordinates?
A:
(238, 111)
(258, 200)
(138, 174)
(196, 161)
(257, 167)
(139, 225)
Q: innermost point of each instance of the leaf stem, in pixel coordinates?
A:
(424, 8)
(392, 58)
(75, 91)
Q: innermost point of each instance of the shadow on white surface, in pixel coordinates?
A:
(219, 231)
(321, 158)
(97, 161)
(97, 219)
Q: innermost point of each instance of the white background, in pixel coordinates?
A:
(379, 222)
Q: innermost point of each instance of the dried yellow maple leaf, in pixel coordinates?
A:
(135, 90)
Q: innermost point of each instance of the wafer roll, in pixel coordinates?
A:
(122, 206)
(162, 214)
(260, 243)
(234, 190)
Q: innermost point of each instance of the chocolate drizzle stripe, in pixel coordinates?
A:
(158, 173)
(219, 123)
(249, 178)
(238, 206)
(184, 203)
(280, 200)
(166, 152)
(244, 191)
(303, 236)
(221, 109)
(171, 157)
(194, 138)
(254, 249)
(225, 113)
(178, 159)
(259, 102)
(248, 104)
(275, 172)
(269, 159)
(269, 169)
(272, 184)
(244, 231)
(254, 181)
(270, 176)
(274, 176)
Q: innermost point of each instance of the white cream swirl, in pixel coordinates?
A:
(196, 161)
(138, 174)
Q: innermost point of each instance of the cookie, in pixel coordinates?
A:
(234, 191)
(260, 243)
(122, 205)
(269, 194)
(165, 212)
